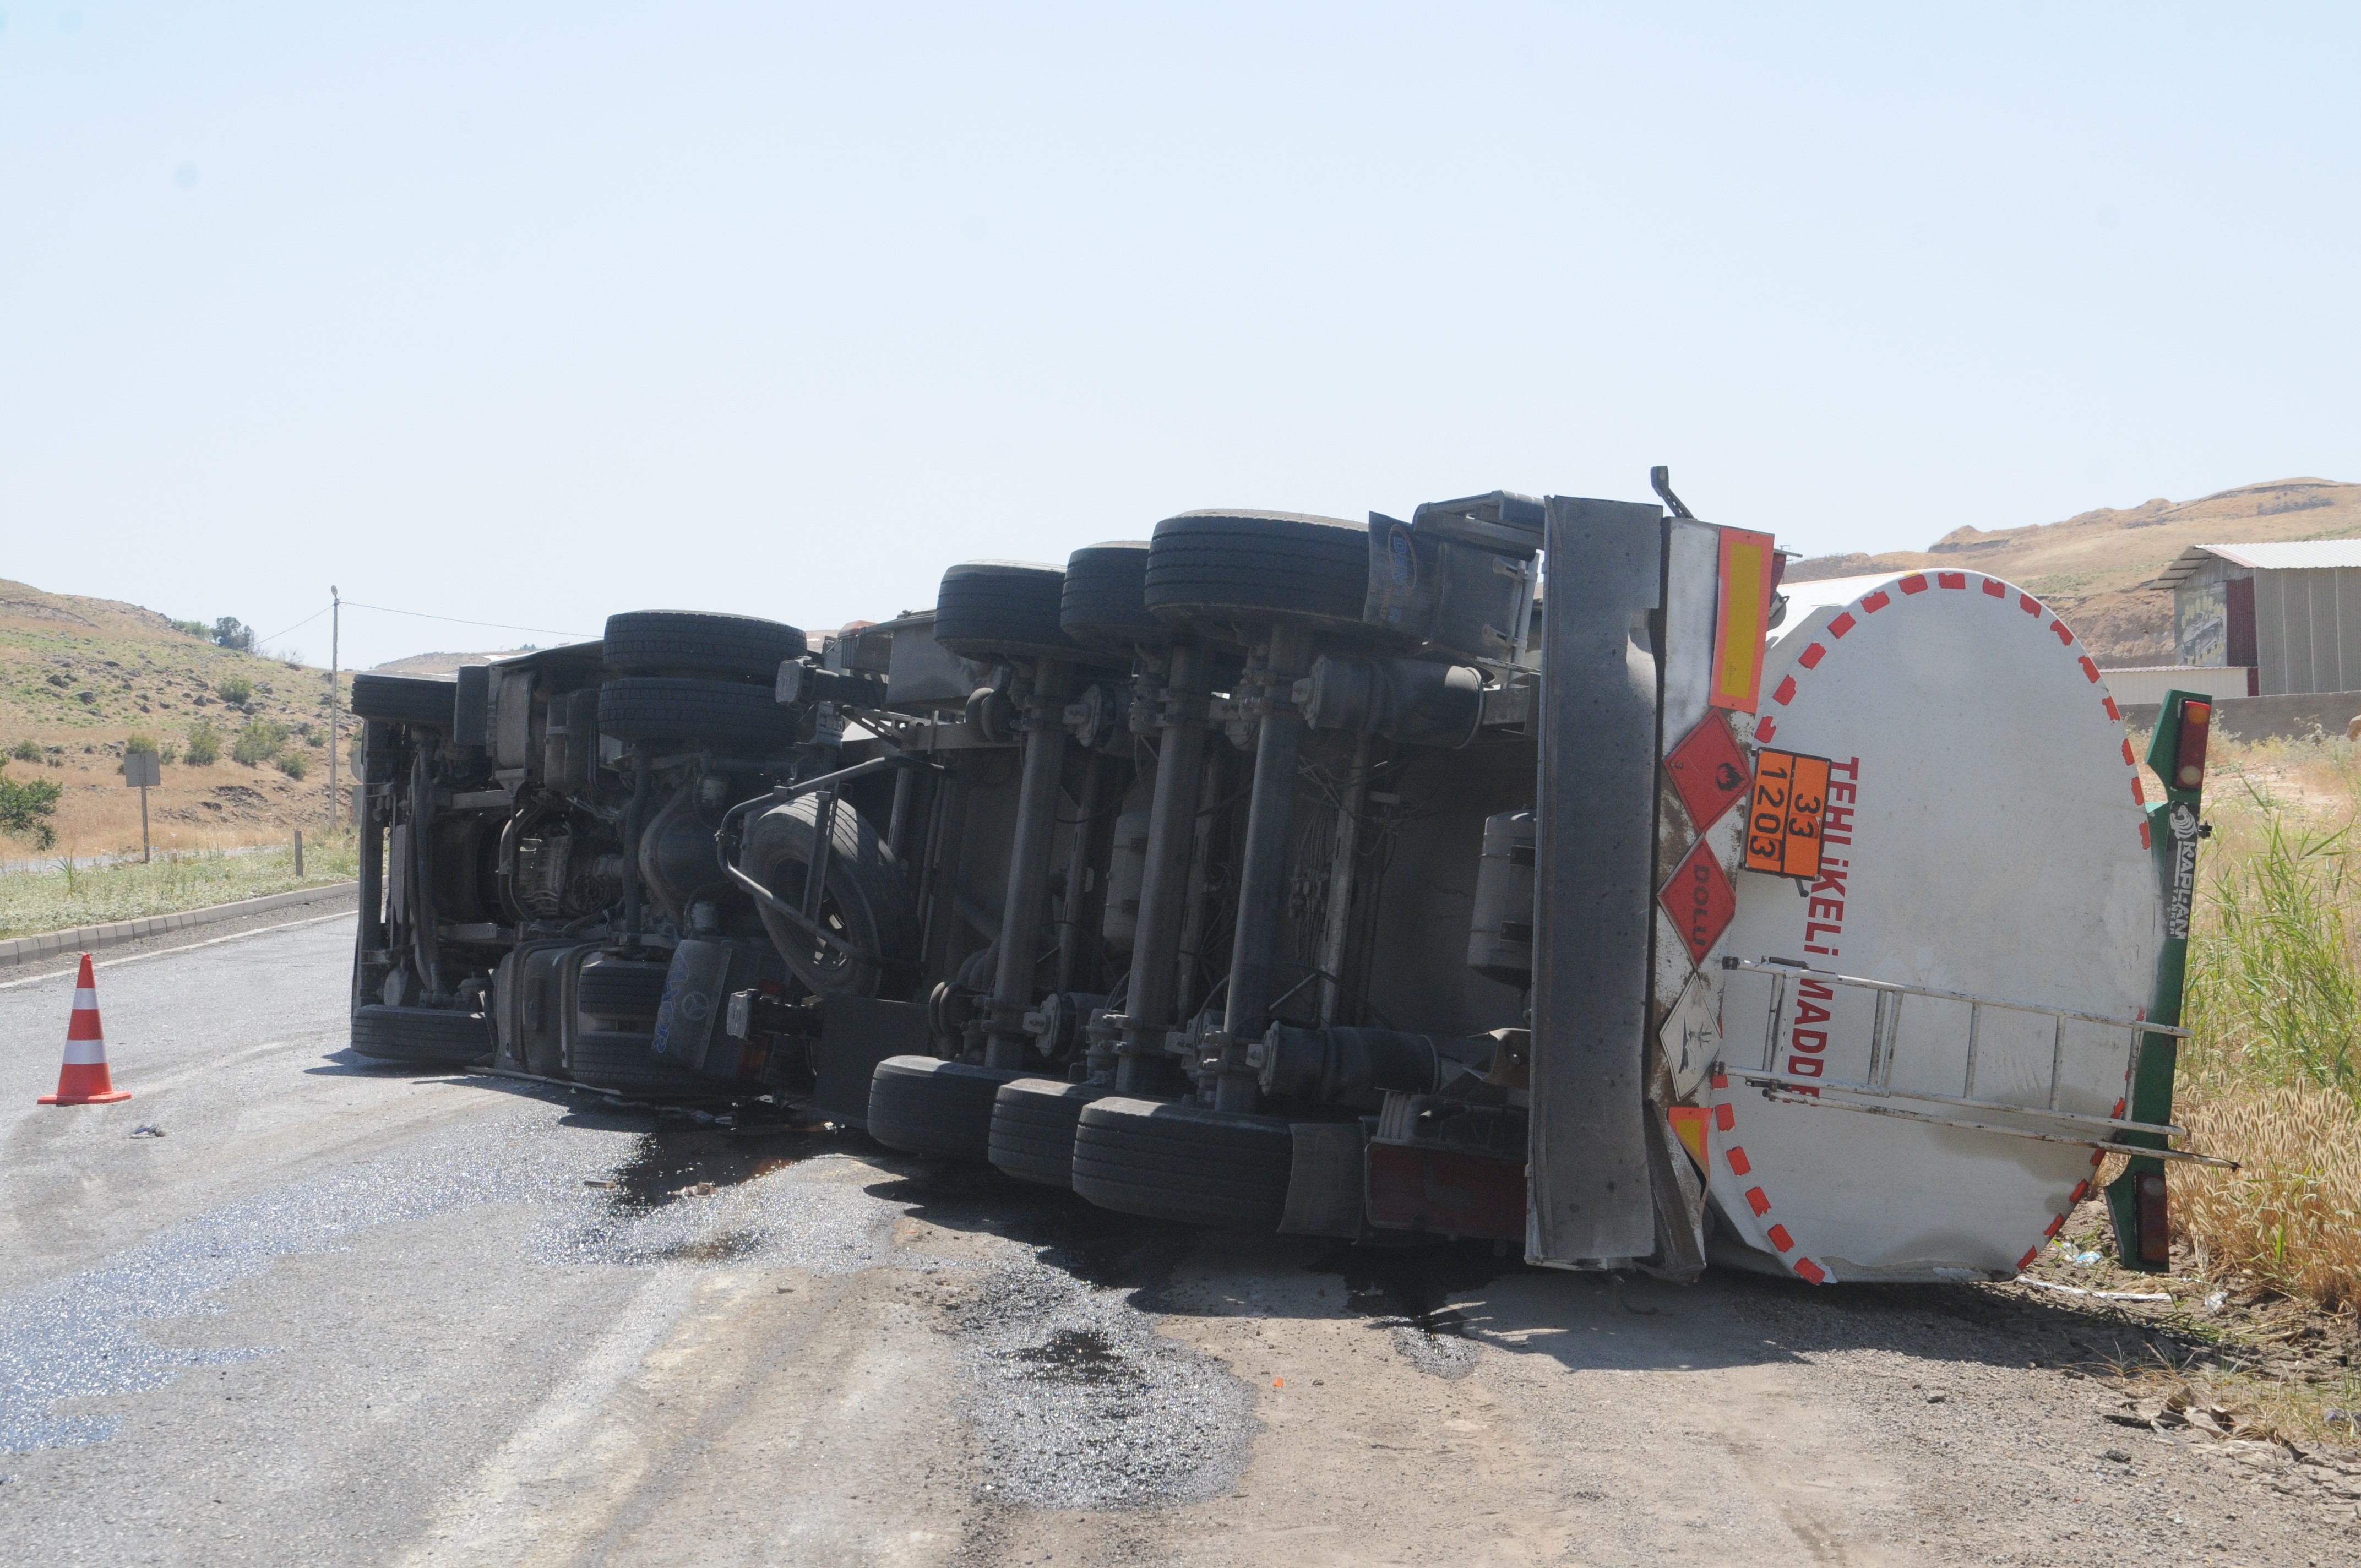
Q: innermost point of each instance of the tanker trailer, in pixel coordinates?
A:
(1565, 883)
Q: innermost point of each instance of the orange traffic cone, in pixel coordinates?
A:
(82, 1081)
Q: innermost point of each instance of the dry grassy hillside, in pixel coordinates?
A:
(80, 675)
(2091, 567)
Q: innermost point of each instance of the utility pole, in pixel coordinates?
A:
(335, 619)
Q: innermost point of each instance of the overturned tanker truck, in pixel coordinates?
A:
(1531, 871)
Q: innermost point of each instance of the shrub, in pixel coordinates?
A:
(194, 629)
(230, 632)
(292, 763)
(235, 688)
(2274, 991)
(258, 740)
(204, 744)
(27, 751)
(169, 755)
(135, 741)
(24, 808)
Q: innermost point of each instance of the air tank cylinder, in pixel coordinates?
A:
(1500, 929)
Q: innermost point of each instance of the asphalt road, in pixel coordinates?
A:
(340, 1313)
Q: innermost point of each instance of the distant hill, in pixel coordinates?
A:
(80, 675)
(440, 663)
(2091, 567)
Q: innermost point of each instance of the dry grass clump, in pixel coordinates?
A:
(2290, 1216)
(2245, 1405)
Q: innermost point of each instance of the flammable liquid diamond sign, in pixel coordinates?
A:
(1707, 770)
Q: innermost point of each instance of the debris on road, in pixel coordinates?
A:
(2100, 1295)
(147, 1130)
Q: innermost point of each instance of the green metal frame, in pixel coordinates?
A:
(2173, 825)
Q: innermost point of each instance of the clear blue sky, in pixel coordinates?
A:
(530, 312)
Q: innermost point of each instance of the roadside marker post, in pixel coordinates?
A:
(141, 769)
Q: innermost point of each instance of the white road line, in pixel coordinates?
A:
(499, 1515)
(332, 1040)
(168, 952)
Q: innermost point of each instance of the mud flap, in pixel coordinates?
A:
(856, 1034)
(1591, 1200)
(696, 990)
(1324, 1187)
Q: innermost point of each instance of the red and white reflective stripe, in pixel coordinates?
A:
(1725, 1119)
(1767, 726)
(85, 1041)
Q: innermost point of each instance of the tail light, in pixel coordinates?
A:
(2188, 755)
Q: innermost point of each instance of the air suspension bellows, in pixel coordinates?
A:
(1414, 701)
(1355, 1066)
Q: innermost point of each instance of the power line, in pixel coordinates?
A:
(296, 627)
(421, 615)
(455, 620)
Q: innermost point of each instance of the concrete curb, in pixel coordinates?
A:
(90, 938)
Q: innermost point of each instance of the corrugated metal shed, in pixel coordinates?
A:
(2304, 555)
(2291, 610)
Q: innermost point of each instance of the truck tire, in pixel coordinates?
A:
(625, 1061)
(1033, 1127)
(1172, 1161)
(716, 713)
(988, 609)
(941, 1108)
(421, 1034)
(405, 699)
(867, 904)
(688, 643)
(615, 990)
(1260, 567)
(1105, 600)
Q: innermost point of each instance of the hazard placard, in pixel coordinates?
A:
(1783, 825)
(1700, 899)
(1709, 770)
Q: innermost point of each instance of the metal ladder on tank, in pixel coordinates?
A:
(1875, 1094)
